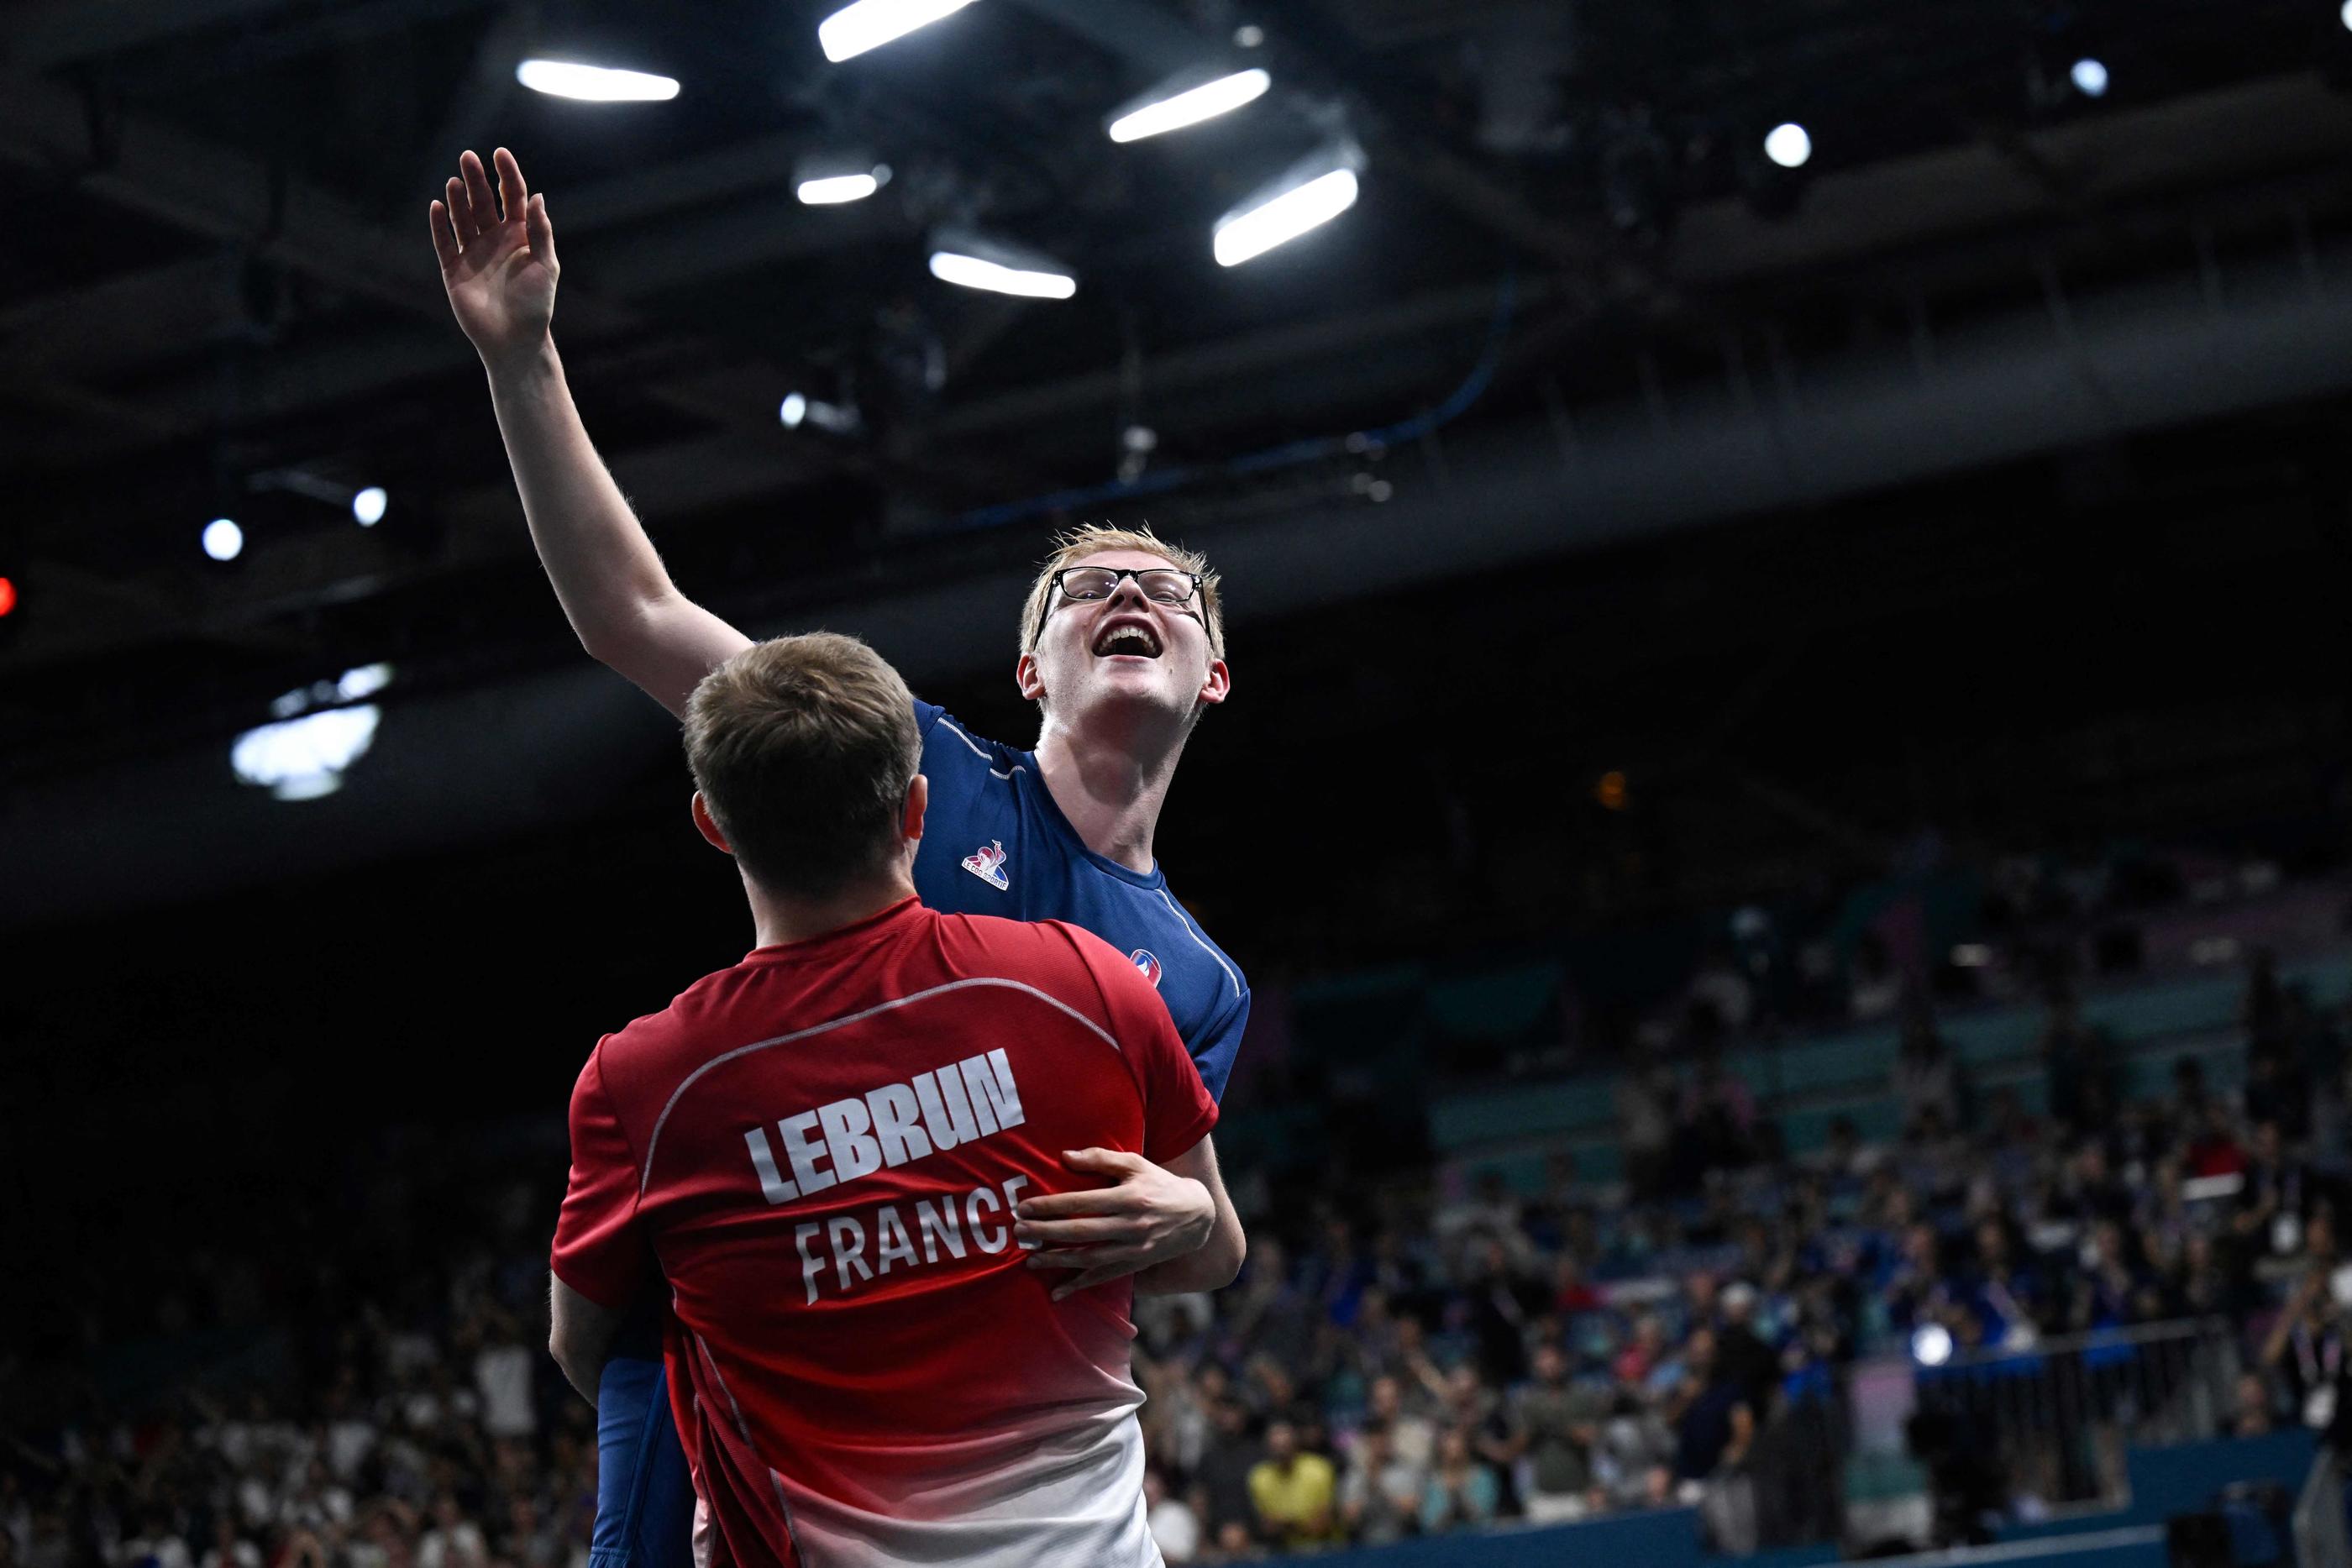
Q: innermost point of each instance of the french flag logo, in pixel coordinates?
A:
(1145, 965)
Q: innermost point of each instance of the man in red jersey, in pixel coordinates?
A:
(826, 1152)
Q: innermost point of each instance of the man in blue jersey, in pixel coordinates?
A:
(1122, 648)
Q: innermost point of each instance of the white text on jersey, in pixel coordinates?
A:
(887, 1126)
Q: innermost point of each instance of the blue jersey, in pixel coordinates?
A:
(996, 843)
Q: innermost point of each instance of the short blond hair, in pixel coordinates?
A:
(1074, 545)
(803, 748)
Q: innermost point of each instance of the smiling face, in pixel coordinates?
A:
(1122, 653)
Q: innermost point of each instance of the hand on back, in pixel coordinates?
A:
(497, 258)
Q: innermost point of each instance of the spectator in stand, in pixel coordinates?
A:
(1223, 1476)
(1295, 1493)
(2077, 1067)
(230, 1550)
(1462, 1490)
(1561, 1422)
(1380, 1500)
(1412, 1439)
(2253, 1416)
(1175, 1528)
(1925, 1078)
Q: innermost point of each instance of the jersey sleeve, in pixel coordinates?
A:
(957, 762)
(1178, 1109)
(601, 1248)
(1214, 1052)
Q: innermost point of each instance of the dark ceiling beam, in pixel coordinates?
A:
(41, 38)
(487, 84)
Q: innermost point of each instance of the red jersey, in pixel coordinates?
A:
(819, 1150)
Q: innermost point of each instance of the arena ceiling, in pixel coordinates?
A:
(219, 298)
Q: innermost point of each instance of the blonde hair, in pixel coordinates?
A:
(803, 748)
(1074, 545)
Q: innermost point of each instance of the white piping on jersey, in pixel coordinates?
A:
(1193, 931)
(979, 750)
(646, 1178)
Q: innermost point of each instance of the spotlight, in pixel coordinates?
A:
(1788, 145)
(976, 261)
(2089, 77)
(223, 540)
(2344, 16)
(368, 506)
(1250, 35)
(1186, 99)
(793, 410)
(1311, 193)
(869, 24)
(594, 84)
(7, 597)
(1932, 1345)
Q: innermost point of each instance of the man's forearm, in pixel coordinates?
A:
(614, 588)
(596, 553)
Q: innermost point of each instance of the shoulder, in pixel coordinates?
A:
(1053, 955)
(946, 742)
(1185, 935)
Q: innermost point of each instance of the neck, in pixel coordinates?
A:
(1111, 783)
(778, 918)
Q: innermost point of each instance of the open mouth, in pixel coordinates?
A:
(1131, 638)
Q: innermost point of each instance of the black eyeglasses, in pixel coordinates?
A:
(1090, 584)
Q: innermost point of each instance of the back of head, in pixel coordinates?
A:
(803, 748)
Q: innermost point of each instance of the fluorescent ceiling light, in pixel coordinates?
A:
(594, 84)
(836, 189)
(869, 24)
(1258, 227)
(978, 272)
(1163, 110)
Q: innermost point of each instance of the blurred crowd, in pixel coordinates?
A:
(1406, 1358)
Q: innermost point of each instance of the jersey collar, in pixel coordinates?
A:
(882, 922)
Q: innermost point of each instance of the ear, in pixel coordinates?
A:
(1218, 685)
(708, 825)
(1026, 676)
(919, 800)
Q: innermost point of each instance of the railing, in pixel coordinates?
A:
(2057, 1415)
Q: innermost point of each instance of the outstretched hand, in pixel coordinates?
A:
(1146, 1217)
(498, 257)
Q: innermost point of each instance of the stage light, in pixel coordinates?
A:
(1312, 193)
(7, 597)
(2089, 77)
(1932, 1345)
(869, 24)
(368, 506)
(594, 84)
(1788, 145)
(2344, 16)
(223, 540)
(1186, 100)
(976, 261)
(793, 410)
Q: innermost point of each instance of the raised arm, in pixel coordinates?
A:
(496, 249)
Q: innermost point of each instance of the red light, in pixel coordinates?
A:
(8, 596)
